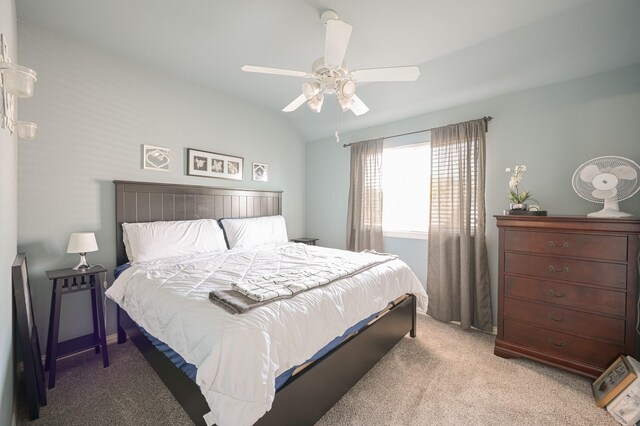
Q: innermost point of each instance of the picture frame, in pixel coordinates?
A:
(156, 158)
(613, 381)
(28, 337)
(260, 172)
(214, 165)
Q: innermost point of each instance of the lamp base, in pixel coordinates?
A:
(83, 264)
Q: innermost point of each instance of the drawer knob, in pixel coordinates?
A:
(553, 244)
(553, 269)
(557, 345)
(554, 294)
(561, 319)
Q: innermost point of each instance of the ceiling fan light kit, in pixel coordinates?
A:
(330, 75)
(315, 103)
(310, 89)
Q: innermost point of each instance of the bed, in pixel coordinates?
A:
(314, 386)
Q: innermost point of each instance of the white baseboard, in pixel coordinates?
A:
(494, 331)
(111, 339)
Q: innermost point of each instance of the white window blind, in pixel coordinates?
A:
(448, 214)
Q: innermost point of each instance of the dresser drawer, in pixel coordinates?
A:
(555, 342)
(582, 271)
(566, 320)
(587, 298)
(602, 247)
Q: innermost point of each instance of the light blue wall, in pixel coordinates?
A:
(94, 111)
(552, 129)
(8, 225)
(412, 252)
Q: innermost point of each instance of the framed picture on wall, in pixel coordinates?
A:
(260, 172)
(156, 158)
(214, 165)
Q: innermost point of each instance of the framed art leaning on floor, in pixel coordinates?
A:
(613, 381)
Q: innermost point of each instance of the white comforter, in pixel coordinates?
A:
(239, 356)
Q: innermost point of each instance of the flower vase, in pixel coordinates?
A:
(518, 206)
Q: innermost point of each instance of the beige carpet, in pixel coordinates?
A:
(445, 376)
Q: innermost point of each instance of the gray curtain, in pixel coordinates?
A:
(458, 272)
(364, 217)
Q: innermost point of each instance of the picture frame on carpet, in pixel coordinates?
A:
(214, 165)
(613, 381)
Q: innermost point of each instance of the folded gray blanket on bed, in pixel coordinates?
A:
(256, 292)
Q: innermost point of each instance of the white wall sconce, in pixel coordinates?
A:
(15, 81)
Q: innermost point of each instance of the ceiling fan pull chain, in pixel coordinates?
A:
(337, 125)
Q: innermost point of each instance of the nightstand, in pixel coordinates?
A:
(67, 281)
(308, 241)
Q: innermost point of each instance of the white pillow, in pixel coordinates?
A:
(255, 231)
(156, 240)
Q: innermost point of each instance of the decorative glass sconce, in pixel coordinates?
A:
(15, 81)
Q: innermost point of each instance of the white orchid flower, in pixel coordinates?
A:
(515, 196)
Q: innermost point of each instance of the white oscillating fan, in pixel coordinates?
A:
(607, 180)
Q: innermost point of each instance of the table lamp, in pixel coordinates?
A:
(83, 243)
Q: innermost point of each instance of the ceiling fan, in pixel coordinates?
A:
(330, 74)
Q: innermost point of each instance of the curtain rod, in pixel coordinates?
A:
(487, 119)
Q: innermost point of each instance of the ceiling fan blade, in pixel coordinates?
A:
(336, 42)
(276, 71)
(386, 74)
(295, 104)
(357, 106)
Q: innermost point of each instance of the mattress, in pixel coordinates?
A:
(169, 298)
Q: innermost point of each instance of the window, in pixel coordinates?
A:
(455, 181)
(406, 178)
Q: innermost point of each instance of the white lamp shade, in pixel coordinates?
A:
(315, 104)
(82, 242)
(309, 90)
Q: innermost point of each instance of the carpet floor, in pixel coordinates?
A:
(446, 376)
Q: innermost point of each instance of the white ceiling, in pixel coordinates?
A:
(467, 50)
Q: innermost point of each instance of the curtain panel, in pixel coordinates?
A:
(458, 270)
(364, 216)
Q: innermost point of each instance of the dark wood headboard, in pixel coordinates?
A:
(149, 202)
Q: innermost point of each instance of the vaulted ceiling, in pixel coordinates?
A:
(467, 50)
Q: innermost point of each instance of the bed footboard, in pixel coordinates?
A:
(307, 396)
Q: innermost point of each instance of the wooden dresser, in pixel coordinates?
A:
(567, 290)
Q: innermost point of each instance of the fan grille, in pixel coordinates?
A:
(626, 188)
